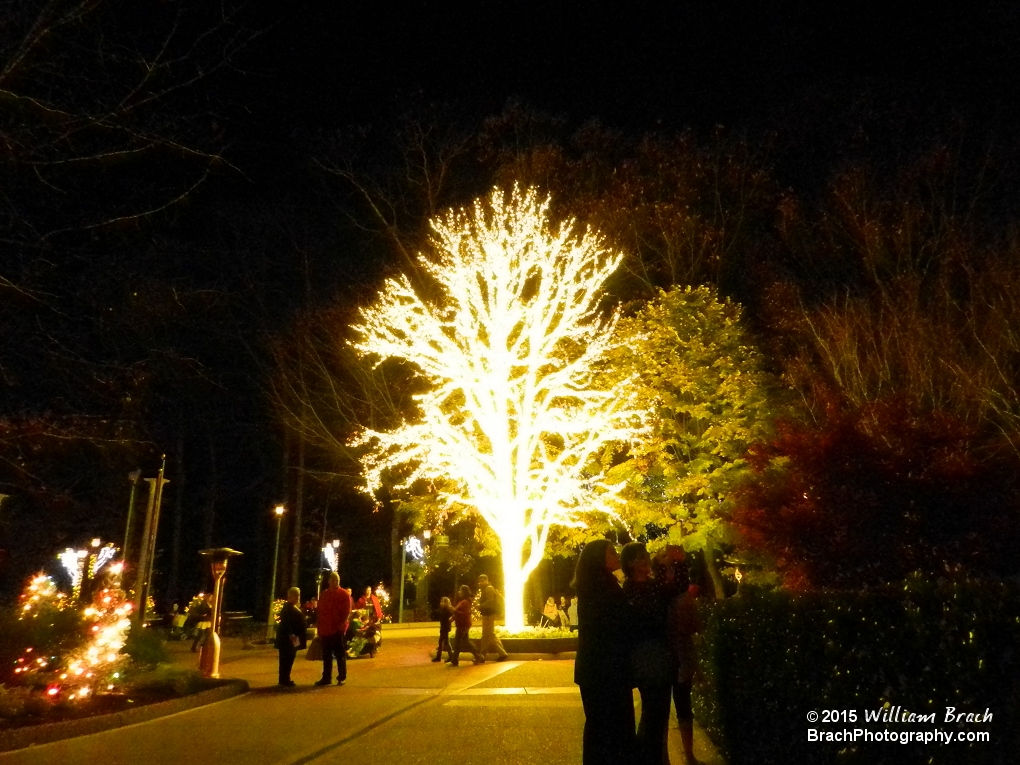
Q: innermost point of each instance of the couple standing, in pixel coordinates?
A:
(334, 611)
(637, 635)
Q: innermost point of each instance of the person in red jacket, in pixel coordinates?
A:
(462, 618)
(333, 613)
(369, 600)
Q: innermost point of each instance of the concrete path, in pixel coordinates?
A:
(398, 708)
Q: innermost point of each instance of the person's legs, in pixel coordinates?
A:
(341, 659)
(489, 640)
(439, 648)
(458, 645)
(685, 718)
(287, 654)
(327, 658)
(651, 732)
(608, 737)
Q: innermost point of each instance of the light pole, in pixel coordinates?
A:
(279, 510)
(408, 545)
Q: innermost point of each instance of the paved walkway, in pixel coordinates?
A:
(398, 708)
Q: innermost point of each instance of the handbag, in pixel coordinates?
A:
(314, 652)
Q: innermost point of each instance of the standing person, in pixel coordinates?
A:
(462, 618)
(684, 623)
(369, 600)
(333, 613)
(445, 617)
(200, 615)
(601, 668)
(652, 666)
(564, 619)
(290, 635)
(490, 605)
(572, 614)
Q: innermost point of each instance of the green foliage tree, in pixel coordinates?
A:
(698, 373)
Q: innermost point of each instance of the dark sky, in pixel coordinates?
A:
(696, 64)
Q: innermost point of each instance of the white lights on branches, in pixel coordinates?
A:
(102, 557)
(508, 337)
(413, 547)
(331, 553)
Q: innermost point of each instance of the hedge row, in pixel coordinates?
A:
(770, 658)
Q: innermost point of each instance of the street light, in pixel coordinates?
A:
(279, 510)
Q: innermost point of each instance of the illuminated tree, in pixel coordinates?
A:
(508, 334)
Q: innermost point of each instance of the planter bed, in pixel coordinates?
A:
(539, 644)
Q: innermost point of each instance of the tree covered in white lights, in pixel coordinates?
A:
(507, 332)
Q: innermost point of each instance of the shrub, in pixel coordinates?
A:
(167, 680)
(146, 647)
(768, 658)
(49, 632)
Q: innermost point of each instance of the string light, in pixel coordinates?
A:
(413, 547)
(509, 341)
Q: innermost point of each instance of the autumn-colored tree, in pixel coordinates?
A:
(870, 497)
(693, 366)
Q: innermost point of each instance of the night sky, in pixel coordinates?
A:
(821, 81)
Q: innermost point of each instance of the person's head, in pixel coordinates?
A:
(595, 566)
(294, 595)
(563, 600)
(334, 580)
(444, 602)
(368, 592)
(635, 562)
(550, 601)
(483, 581)
(464, 593)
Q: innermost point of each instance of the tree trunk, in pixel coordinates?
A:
(713, 570)
(173, 586)
(395, 551)
(513, 594)
(299, 499)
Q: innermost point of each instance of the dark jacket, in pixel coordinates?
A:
(292, 622)
(603, 628)
(445, 617)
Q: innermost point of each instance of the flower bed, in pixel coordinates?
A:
(534, 640)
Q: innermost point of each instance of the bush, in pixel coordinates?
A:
(146, 647)
(167, 680)
(49, 632)
(768, 658)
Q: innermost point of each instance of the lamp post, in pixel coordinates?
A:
(403, 563)
(209, 660)
(412, 545)
(279, 510)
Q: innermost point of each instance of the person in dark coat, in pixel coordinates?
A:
(290, 635)
(445, 618)
(602, 666)
(653, 668)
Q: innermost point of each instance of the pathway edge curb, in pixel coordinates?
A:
(21, 738)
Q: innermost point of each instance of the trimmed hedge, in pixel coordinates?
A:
(770, 658)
